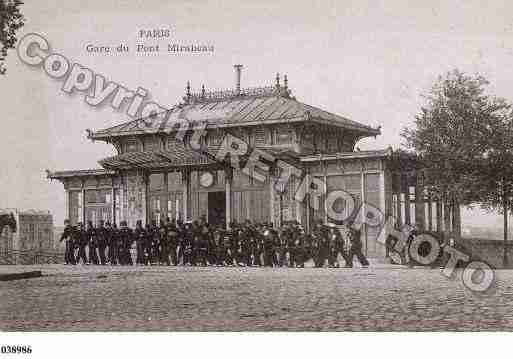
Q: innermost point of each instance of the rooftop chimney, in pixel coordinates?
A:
(238, 69)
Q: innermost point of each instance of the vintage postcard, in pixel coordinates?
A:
(255, 166)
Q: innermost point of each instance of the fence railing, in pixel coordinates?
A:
(30, 257)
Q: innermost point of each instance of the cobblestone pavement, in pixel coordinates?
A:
(213, 298)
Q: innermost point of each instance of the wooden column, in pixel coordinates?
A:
(363, 209)
(456, 220)
(67, 202)
(430, 214)
(439, 221)
(308, 207)
(186, 188)
(299, 211)
(447, 220)
(145, 203)
(382, 194)
(308, 214)
(228, 192)
(420, 207)
(167, 204)
(82, 205)
(398, 204)
(122, 188)
(271, 198)
(112, 204)
(406, 189)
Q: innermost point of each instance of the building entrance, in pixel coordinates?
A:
(217, 208)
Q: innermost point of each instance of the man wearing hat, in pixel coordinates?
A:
(268, 239)
(81, 240)
(126, 237)
(140, 235)
(187, 243)
(172, 241)
(101, 237)
(67, 235)
(333, 243)
(111, 242)
(92, 242)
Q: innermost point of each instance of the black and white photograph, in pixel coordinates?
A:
(196, 167)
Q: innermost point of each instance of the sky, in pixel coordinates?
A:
(370, 61)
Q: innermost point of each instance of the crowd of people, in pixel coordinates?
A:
(197, 243)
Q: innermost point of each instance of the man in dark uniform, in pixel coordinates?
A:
(148, 243)
(307, 246)
(293, 245)
(67, 235)
(228, 255)
(345, 233)
(300, 248)
(172, 242)
(93, 243)
(180, 241)
(101, 236)
(247, 244)
(334, 243)
(315, 249)
(222, 247)
(268, 247)
(281, 246)
(114, 243)
(202, 245)
(126, 240)
(235, 247)
(356, 248)
(164, 245)
(323, 241)
(108, 237)
(187, 243)
(155, 243)
(82, 240)
(257, 245)
(212, 246)
(140, 235)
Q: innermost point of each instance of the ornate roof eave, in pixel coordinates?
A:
(212, 124)
(60, 175)
(367, 132)
(387, 153)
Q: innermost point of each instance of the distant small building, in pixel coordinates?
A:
(33, 231)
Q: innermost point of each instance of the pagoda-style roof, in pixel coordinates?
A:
(258, 106)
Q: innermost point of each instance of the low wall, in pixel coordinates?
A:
(30, 257)
(488, 250)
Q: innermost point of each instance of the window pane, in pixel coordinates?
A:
(174, 181)
(156, 181)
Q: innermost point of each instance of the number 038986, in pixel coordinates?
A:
(15, 349)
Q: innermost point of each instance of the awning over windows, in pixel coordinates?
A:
(156, 159)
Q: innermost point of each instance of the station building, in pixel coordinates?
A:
(157, 174)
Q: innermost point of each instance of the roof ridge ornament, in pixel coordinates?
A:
(204, 96)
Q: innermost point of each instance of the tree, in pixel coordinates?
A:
(11, 20)
(494, 182)
(463, 138)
